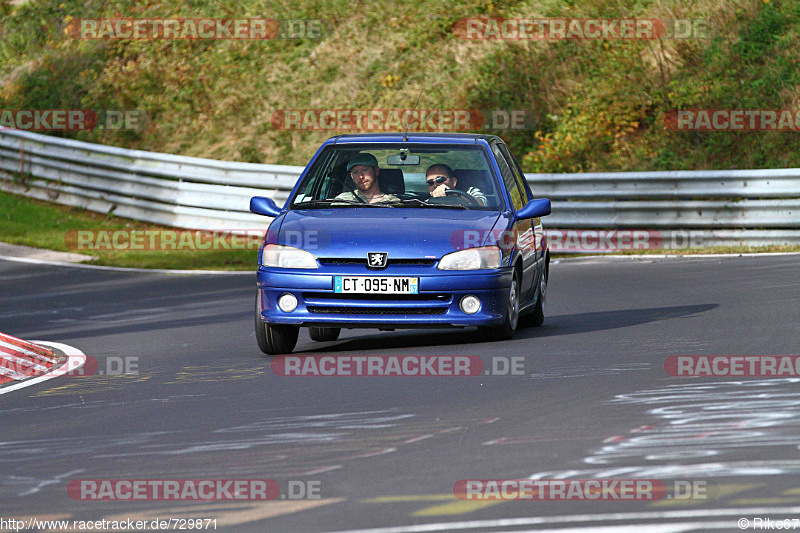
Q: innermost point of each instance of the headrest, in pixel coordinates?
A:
(391, 181)
(472, 178)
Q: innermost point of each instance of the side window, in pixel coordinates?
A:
(517, 197)
(518, 175)
(313, 187)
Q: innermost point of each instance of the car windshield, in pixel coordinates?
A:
(461, 174)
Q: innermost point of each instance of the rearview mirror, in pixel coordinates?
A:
(402, 159)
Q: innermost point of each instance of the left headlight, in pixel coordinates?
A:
(276, 255)
(472, 259)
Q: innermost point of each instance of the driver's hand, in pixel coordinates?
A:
(438, 192)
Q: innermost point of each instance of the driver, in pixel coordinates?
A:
(363, 169)
(440, 178)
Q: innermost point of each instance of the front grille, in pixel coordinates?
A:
(425, 297)
(363, 261)
(377, 311)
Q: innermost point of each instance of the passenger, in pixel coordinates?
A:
(364, 172)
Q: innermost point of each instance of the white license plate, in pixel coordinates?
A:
(375, 285)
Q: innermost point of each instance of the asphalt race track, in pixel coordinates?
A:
(197, 400)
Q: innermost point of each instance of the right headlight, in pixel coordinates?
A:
(276, 255)
(472, 259)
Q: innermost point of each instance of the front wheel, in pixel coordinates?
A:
(274, 339)
(324, 334)
(506, 330)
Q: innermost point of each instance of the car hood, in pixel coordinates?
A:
(403, 233)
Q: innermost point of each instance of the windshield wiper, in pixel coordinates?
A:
(334, 201)
(423, 203)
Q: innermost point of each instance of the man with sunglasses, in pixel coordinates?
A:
(440, 178)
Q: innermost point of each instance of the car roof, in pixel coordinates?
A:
(412, 137)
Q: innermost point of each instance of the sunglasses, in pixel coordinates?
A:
(437, 180)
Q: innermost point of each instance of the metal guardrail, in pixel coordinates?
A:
(672, 185)
(725, 207)
(178, 191)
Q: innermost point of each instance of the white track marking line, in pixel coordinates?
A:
(126, 269)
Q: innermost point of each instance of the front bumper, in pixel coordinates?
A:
(436, 305)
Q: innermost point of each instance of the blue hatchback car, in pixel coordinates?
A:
(394, 231)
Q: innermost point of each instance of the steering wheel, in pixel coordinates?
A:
(462, 194)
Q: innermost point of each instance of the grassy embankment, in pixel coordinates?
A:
(43, 225)
(600, 103)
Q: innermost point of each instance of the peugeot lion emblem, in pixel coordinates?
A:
(377, 259)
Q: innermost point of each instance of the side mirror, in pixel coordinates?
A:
(261, 205)
(535, 209)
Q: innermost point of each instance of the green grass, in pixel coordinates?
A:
(42, 225)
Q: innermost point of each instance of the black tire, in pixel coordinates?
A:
(274, 339)
(537, 317)
(324, 334)
(506, 330)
